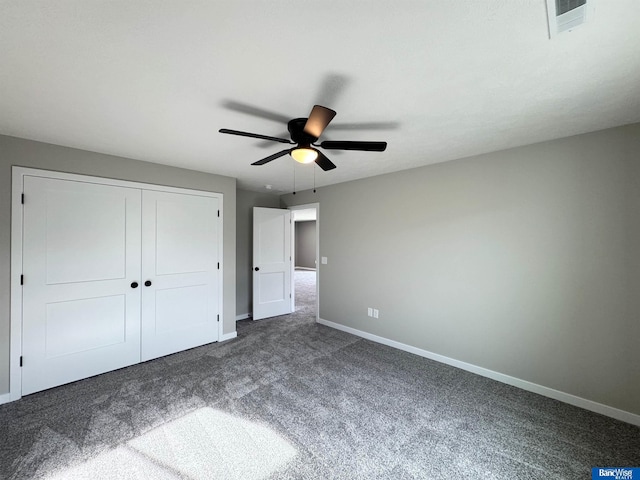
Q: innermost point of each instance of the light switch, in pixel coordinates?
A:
(324, 260)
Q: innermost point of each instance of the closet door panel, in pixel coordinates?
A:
(81, 251)
(180, 272)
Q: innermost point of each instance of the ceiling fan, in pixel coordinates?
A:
(304, 133)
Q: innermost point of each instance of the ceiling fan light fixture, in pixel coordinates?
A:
(304, 154)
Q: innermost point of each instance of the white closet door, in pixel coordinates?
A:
(180, 272)
(81, 317)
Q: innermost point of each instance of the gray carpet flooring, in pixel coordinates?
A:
(293, 399)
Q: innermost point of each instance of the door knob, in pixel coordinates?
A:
(257, 268)
(134, 284)
(147, 283)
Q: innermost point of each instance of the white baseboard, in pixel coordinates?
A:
(600, 408)
(243, 316)
(228, 336)
(5, 398)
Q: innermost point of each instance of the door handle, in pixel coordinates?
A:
(134, 284)
(257, 268)
(147, 283)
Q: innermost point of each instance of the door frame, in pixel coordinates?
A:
(306, 206)
(17, 182)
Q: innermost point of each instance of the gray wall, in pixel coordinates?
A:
(246, 200)
(523, 261)
(26, 153)
(305, 248)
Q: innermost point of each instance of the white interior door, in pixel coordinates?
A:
(81, 248)
(271, 262)
(180, 272)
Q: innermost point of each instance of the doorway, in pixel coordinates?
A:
(305, 265)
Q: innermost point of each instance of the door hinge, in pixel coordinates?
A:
(20, 360)
(22, 199)
(218, 265)
(218, 213)
(218, 317)
(21, 279)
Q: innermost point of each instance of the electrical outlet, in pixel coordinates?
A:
(376, 313)
(370, 312)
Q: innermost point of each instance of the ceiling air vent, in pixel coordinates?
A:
(565, 15)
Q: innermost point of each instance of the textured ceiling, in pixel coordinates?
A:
(155, 80)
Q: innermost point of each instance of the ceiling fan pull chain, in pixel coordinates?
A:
(294, 178)
(314, 178)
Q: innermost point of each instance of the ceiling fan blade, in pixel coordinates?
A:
(363, 146)
(324, 163)
(318, 120)
(365, 126)
(255, 111)
(267, 144)
(255, 135)
(272, 157)
(332, 86)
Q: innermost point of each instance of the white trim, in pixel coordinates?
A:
(600, 408)
(307, 206)
(35, 172)
(5, 398)
(221, 269)
(297, 267)
(243, 316)
(15, 331)
(228, 336)
(292, 272)
(17, 182)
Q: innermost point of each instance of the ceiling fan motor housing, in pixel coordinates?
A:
(298, 135)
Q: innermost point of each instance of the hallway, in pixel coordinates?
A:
(305, 292)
